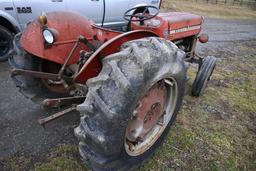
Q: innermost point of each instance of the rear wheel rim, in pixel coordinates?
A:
(151, 116)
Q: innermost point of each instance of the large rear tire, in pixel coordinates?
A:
(139, 70)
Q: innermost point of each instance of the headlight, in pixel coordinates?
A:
(48, 36)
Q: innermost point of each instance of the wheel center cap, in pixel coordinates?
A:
(148, 113)
(152, 115)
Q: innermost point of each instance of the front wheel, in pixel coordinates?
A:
(203, 76)
(6, 46)
(131, 104)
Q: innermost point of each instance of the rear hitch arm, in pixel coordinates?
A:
(37, 74)
(79, 39)
(48, 103)
(48, 119)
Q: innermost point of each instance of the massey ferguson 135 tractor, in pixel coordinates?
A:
(127, 86)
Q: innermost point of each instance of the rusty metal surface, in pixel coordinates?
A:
(148, 112)
(151, 117)
(69, 57)
(38, 74)
(48, 119)
(47, 103)
(57, 86)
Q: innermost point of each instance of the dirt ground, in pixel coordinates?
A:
(214, 132)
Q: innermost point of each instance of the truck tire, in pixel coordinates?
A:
(6, 45)
(203, 76)
(147, 74)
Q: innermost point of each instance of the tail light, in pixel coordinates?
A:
(203, 38)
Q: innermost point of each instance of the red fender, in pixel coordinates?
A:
(68, 27)
(93, 66)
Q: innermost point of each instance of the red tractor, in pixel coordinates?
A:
(127, 86)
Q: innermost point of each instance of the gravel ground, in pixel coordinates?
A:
(22, 136)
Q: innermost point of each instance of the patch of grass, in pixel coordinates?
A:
(217, 130)
(219, 140)
(64, 158)
(60, 163)
(169, 156)
(210, 10)
(17, 163)
(238, 86)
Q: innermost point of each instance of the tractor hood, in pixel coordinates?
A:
(182, 18)
(172, 25)
(182, 24)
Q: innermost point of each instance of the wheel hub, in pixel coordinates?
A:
(148, 112)
(4, 45)
(151, 116)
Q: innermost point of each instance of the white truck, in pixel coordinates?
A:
(15, 14)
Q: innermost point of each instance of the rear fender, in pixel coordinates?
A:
(93, 66)
(68, 26)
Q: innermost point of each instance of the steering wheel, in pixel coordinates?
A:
(140, 16)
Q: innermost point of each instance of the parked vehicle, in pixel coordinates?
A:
(128, 86)
(15, 14)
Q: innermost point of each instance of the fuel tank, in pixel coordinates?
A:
(66, 26)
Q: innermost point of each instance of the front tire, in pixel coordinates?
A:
(203, 76)
(114, 95)
(6, 45)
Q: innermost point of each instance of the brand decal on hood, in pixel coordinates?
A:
(189, 28)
